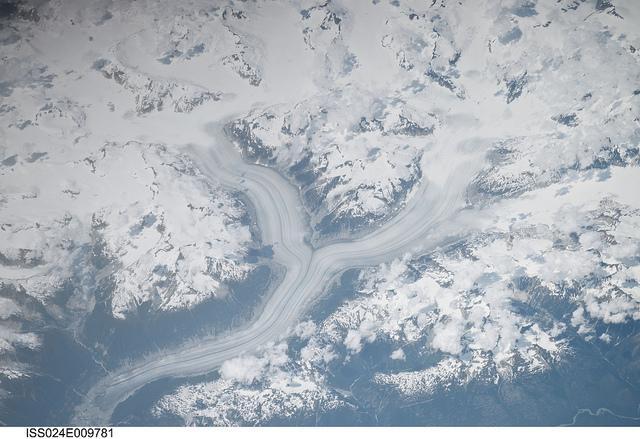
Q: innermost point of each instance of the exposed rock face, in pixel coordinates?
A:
(155, 95)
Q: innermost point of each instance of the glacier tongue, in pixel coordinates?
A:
(475, 163)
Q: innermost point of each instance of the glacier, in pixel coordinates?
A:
(302, 212)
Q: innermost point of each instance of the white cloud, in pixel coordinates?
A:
(353, 341)
(8, 308)
(243, 369)
(447, 336)
(305, 329)
(250, 368)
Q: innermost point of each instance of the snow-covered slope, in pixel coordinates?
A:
(507, 302)
(134, 210)
(353, 168)
(358, 104)
(551, 88)
(96, 205)
(253, 390)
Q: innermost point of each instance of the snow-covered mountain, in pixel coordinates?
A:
(93, 208)
(502, 305)
(106, 218)
(353, 168)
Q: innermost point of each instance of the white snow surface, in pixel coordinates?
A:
(253, 390)
(358, 103)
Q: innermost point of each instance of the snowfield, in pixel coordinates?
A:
(444, 192)
(138, 209)
(353, 169)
